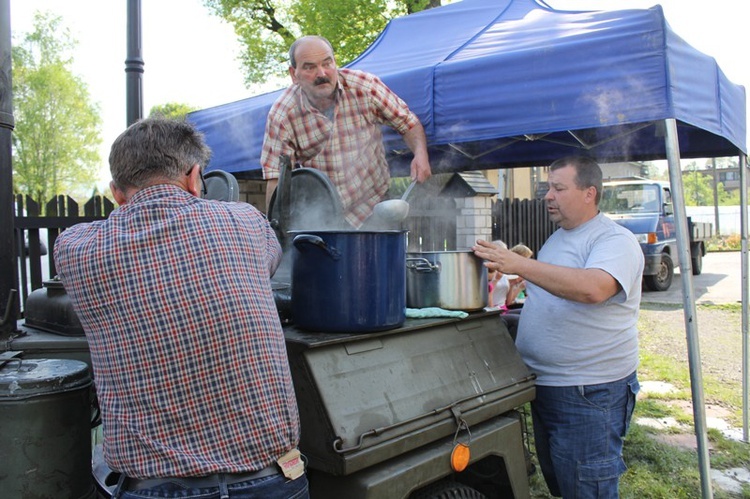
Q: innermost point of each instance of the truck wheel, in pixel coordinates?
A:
(446, 489)
(696, 258)
(663, 278)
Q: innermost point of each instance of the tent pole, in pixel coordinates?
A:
(691, 319)
(745, 293)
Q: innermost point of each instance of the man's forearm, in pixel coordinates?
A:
(417, 142)
(580, 285)
(416, 139)
(270, 187)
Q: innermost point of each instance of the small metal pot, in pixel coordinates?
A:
(453, 280)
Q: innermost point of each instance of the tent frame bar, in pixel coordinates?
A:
(745, 295)
(691, 318)
(578, 142)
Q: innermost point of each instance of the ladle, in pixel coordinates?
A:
(391, 210)
(409, 189)
(394, 210)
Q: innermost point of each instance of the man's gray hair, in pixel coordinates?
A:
(156, 149)
(295, 44)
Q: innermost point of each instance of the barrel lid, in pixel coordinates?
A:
(21, 378)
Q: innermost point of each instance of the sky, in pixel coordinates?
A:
(191, 56)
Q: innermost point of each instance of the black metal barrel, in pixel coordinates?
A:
(45, 410)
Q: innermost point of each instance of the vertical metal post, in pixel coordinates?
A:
(8, 265)
(691, 318)
(715, 177)
(134, 64)
(745, 295)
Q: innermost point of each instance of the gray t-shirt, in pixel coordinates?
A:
(567, 343)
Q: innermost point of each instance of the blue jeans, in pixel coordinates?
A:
(579, 431)
(269, 487)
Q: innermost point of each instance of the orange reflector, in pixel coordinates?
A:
(460, 457)
(652, 238)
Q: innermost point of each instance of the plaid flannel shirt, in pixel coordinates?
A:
(188, 353)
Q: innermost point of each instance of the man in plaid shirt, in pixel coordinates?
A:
(189, 360)
(330, 119)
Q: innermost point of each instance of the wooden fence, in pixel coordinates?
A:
(522, 221)
(431, 225)
(36, 231)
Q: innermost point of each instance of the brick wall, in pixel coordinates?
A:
(474, 220)
(253, 192)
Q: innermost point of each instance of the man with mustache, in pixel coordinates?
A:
(578, 333)
(330, 119)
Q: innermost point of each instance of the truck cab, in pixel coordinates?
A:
(644, 207)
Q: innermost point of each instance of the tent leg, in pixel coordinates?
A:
(691, 322)
(745, 294)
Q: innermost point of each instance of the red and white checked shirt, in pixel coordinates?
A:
(348, 149)
(188, 354)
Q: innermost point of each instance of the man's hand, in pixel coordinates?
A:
(496, 257)
(420, 168)
(417, 142)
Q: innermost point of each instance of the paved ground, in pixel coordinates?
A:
(720, 282)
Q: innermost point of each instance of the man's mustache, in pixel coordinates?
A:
(321, 80)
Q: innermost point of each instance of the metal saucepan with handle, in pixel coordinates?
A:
(453, 280)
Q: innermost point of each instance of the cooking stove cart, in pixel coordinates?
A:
(382, 412)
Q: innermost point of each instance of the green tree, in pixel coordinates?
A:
(173, 110)
(697, 187)
(651, 170)
(266, 28)
(56, 140)
(729, 198)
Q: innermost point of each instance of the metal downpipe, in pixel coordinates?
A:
(8, 263)
(134, 64)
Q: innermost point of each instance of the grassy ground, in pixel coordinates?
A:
(657, 469)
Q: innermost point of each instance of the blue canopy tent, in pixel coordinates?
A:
(503, 83)
(506, 83)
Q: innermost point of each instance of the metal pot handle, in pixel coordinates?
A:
(308, 239)
(422, 265)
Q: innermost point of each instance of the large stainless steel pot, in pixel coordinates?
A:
(453, 280)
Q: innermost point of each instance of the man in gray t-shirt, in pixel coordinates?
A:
(578, 333)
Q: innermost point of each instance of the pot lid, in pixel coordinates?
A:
(221, 186)
(313, 202)
(24, 378)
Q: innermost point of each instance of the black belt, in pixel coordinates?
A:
(199, 482)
